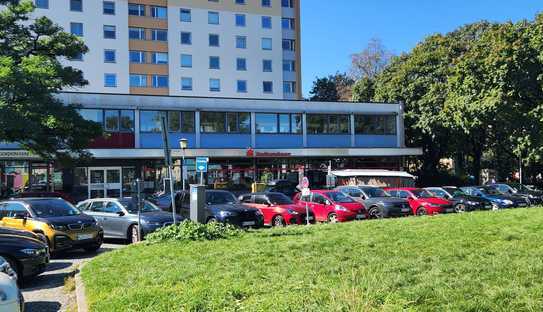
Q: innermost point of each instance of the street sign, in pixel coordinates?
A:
(201, 164)
(306, 192)
(305, 182)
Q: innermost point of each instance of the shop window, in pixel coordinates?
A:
(150, 121)
(111, 120)
(95, 115)
(375, 124)
(327, 124)
(221, 122)
(181, 122)
(279, 123)
(127, 121)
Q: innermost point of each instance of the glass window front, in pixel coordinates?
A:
(266, 123)
(95, 115)
(221, 122)
(150, 121)
(375, 124)
(328, 124)
(112, 120)
(127, 120)
(212, 122)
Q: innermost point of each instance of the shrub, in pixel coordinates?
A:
(192, 231)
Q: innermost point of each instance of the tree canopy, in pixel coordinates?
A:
(332, 88)
(31, 73)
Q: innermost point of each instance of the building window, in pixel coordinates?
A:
(110, 80)
(267, 44)
(110, 56)
(76, 5)
(186, 60)
(214, 85)
(109, 32)
(150, 121)
(241, 64)
(159, 81)
(213, 18)
(214, 62)
(221, 122)
(186, 38)
(160, 58)
(137, 57)
(289, 66)
(78, 57)
(42, 4)
(126, 121)
(328, 124)
(266, 3)
(180, 122)
(136, 9)
(159, 12)
(185, 15)
(76, 29)
(241, 20)
(136, 33)
(159, 35)
(108, 7)
(213, 40)
(186, 83)
(279, 123)
(289, 45)
(111, 120)
(242, 86)
(240, 1)
(288, 23)
(96, 115)
(267, 87)
(289, 86)
(267, 66)
(375, 124)
(138, 81)
(287, 3)
(266, 22)
(241, 42)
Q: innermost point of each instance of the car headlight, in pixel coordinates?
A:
(31, 251)
(292, 212)
(226, 213)
(507, 202)
(340, 208)
(151, 223)
(57, 227)
(471, 203)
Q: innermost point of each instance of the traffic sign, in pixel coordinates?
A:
(201, 164)
(306, 192)
(305, 182)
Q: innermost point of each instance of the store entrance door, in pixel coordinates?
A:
(105, 182)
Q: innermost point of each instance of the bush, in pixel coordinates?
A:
(192, 231)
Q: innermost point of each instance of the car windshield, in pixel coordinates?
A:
(504, 188)
(132, 207)
(339, 197)
(220, 198)
(279, 199)
(420, 193)
(376, 192)
(439, 193)
(455, 191)
(53, 208)
(489, 191)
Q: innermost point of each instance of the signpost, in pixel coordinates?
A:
(168, 162)
(201, 166)
(306, 192)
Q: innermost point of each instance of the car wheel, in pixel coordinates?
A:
(332, 218)
(134, 237)
(95, 246)
(422, 211)
(460, 208)
(278, 221)
(376, 213)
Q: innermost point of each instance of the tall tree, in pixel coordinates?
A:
(332, 88)
(30, 75)
(371, 61)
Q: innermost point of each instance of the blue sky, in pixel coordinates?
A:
(333, 30)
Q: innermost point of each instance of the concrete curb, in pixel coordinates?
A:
(81, 298)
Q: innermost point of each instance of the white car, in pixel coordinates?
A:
(11, 299)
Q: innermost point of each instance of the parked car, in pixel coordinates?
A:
(53, 219)
(28, 257)
(462, 202)
(379, 203)
(220, 206)
(24, 233)
(277, 208)
(11, 298)
(282, 186)
(529, 197)
(119, 217)
(36, 194)
(499, 201)
(421, 201)
(332, 206)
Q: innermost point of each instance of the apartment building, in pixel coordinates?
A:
(201, 48)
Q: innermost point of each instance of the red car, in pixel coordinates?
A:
(277, 208)
(421, 201)
(332, 206)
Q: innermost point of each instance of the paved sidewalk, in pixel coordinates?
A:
(46, 293)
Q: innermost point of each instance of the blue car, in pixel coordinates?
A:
(498, 200)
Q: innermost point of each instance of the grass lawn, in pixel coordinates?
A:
(484, 261)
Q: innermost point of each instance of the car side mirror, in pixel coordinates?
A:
(327, 202)
(120, 213)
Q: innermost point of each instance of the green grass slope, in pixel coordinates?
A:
(486, 261)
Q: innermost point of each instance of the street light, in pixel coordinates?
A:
(183, 143)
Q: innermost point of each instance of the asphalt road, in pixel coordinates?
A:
(46, 292)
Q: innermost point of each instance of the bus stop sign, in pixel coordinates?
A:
(201, 164)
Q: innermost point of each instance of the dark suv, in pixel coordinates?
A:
(378, 202)
(462, 202)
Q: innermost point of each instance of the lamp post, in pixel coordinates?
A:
(183, 143)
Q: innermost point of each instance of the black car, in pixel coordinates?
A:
(286, 187)
(518, 200)
(27, 256)
(534, 197)
(378, 202)
(462, 202)
(220, 206)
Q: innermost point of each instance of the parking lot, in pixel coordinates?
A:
(47, 293)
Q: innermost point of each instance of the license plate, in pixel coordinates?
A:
(449, 210)
(248, 223)
(84, 236)
(522, 205)
(405, 209)
(360, 216)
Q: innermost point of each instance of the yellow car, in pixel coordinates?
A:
(55, 220)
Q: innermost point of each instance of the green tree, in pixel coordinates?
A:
(332, 88)
(363, 90)
(30, 75)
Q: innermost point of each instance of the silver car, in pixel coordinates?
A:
(119, 217)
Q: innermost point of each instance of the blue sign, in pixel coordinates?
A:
(201, 164)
